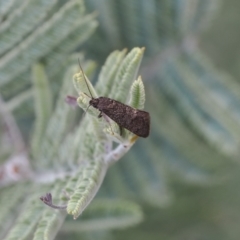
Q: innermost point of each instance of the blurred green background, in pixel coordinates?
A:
(220, 41)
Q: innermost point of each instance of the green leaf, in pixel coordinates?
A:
(137, 94)
(126, 74)
(58, 125)
(106, 214)
(109, 71)
(43, 106)
(88, 184)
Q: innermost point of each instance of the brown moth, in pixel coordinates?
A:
(135, 120)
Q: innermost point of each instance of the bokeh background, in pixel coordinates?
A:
(185, 176)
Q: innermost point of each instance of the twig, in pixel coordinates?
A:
(117, 153)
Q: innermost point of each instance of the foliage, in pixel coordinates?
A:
(175, 177)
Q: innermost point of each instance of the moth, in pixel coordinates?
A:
(135, 120)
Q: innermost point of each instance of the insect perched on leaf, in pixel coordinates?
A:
(135, 120)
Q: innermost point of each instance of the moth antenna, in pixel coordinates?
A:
(85, 78)
(87, 95)
(85, 113)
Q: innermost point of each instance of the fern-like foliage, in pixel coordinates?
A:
(80, 173)
(194, 142)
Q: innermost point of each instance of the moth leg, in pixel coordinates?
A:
(100, 115)
(120, 130)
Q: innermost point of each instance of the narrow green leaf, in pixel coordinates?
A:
(58, 124)
(83, 85)
(86, 189)
(137, 94)
(106, 214)
(126, 74)
(43, 106)
(109, 71)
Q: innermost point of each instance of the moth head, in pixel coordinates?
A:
(94, 102)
